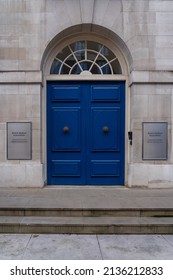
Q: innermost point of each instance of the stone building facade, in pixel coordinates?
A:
(37, 41)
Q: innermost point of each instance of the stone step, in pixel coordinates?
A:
(86, 225)
(87, 212)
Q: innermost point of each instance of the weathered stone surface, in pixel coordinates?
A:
(151, 175)
(21, 175)
(140, 33)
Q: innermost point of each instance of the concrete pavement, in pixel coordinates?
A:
(95, 246)
(85, 247)
(84, 197)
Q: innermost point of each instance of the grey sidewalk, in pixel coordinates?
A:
(86, 247)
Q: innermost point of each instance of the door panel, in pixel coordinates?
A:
(65, 93)
(106, 93)
(61, 168)
(85, 133)
(105, 168)
(105, 129)
(66, 129)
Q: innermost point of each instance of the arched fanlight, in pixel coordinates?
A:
(85, 57)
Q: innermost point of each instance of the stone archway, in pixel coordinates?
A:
(92, 33)
(87, 31)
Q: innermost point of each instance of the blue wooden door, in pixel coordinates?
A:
(85, 133)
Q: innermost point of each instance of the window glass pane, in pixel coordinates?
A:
(70, 61)
(107, 53)
(76, 70)
(64, 53)
(85, 65)
(91, 55)
(80, 55)
(94, 46)
(65, 70)
(106, 70)
(101, 61)
(55, 67)
(116, 67)
(95, 70)
(78, 46)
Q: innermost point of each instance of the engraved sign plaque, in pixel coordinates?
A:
(19, 140)
(154, 144)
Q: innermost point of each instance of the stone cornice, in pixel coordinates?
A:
(148, 77)
(23, 77)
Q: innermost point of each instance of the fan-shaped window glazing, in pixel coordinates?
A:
(85, 57)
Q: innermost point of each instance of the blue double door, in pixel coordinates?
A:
(85, 133)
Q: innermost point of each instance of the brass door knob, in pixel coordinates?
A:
(105, 129)
(66, 129)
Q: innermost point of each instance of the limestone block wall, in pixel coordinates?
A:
(27, 27)
(20, 103)
(150, 103)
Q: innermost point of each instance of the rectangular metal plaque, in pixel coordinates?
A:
(154, 144)
(19, 140)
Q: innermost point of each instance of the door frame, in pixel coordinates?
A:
(65, 78)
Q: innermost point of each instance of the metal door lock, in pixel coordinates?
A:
(130, 135)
